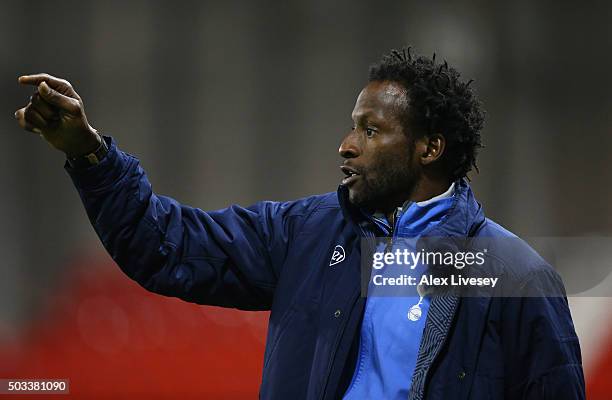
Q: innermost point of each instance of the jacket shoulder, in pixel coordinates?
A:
(298, 207)
(516, 260)
(328, 201)
(324, 210)
(310, 204)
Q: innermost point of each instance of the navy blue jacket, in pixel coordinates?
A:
(276, 256)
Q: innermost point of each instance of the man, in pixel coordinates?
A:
(414, 139)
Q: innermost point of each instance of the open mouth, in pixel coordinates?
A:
(351, 175)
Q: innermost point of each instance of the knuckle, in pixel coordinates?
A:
(28, 113)
(31, 114)
(29, 110)
(77, 105)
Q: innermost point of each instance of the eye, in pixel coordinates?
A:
(370, 132)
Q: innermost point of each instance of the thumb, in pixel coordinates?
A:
(59, 100)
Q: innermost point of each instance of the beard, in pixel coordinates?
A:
(384, 185)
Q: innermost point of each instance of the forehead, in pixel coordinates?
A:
(381, 100)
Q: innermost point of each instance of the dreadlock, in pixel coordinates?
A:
(439, 102)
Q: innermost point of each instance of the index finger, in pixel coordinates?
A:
(54, 82)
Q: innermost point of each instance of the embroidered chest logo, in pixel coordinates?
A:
(337, 256)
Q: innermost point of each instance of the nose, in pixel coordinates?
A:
(349, 148)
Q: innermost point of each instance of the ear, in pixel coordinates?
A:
(430, 148)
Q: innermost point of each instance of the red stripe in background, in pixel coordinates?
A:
(599, 381)
(113, 339)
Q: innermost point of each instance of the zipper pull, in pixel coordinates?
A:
(396, 216)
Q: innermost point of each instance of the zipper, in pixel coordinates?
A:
(394, 220)
(395, 217)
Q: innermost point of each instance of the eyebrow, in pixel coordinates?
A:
(362, 115)
(367, 117)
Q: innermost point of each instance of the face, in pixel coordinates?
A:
(379, 161)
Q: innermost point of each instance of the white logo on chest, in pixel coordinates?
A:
(337, 255)
(415, 312)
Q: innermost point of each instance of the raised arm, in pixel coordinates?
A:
(231, 257)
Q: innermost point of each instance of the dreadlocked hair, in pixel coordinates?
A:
(438, 102)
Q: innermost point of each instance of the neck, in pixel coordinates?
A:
(424, 189)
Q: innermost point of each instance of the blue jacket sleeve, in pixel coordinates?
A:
(230, 257)
(544, 353)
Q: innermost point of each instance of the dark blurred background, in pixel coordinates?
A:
(240, 101)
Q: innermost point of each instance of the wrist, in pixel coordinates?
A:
(92, 157)
(91, 142)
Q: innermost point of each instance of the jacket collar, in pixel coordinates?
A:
(462, 219)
